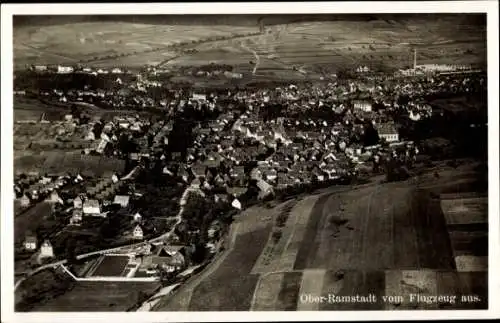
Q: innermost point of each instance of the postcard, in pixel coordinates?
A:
(249, 161)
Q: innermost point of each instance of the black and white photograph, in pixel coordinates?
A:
(172, 161)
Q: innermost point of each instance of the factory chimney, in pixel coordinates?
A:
(414, 58)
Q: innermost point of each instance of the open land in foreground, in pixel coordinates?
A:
(383, 239)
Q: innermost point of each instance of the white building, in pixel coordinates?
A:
(138, 233)
(77, 217)
(77, 202)
(137, 217)
(91, 207)
(199, 97)
(46, 250)
(30, 243)
(236, 204)
(362, 105)
(64, 69)
(388, 132)
(54, 198)
(24, 201)
(123, 200)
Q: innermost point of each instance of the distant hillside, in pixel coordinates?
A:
(237, 20)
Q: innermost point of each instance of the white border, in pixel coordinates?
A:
(490, 7)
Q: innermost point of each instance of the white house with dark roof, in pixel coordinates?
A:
(91, 207)
(122, 200)
(30, 243)
(46, 250)
(362, 105)
(388, 132)
(138, 233)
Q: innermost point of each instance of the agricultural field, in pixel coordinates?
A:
(341, 44)
(98, 296)
(111, 266)
(380, 239)
(292, 50)
(108, 41)
(32, 110)
(53, 162)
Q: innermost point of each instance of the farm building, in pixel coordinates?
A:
(388, 132)
(362, 105)
(91, 207)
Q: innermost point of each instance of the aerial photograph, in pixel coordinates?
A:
(247, 162)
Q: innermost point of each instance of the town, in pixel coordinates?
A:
(129, 178)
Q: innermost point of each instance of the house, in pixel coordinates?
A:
(91, 207)
(236, 204)
(388, 132)
(114, 178)
(265, 188)
(138, 233)
(30, 243)
(122, 200)
(24, 201)
(169, 258)
(46, 250)
(199, 97)
(198, 170)
(77, 202)
(222, 198)
(182, 173)
(196, 183)
(54, 198)
(236, 191)
(137, 217)
(362, 105)
(76, 218)
(270, 174)
(64, 69)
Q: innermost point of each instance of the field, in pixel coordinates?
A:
(98, 297)
(54, 162)
(111, 266)
(379, 239)
(294, 50)
(114, 43)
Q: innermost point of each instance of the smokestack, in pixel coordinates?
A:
(414, 58)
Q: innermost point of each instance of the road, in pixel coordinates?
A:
(257, 58)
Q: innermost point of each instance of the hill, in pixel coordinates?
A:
(289, 44)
